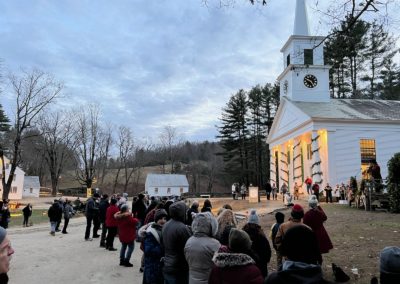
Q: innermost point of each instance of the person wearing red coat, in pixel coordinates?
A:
(112, 224)
(127, 234)
(236, 266)
(315, 218)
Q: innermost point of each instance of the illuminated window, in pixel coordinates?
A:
(368, 154)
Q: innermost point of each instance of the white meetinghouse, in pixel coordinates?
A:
(313, 135)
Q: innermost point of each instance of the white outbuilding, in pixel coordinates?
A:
(326, 139)
(31, 187)
(166, 185)
(17, 182)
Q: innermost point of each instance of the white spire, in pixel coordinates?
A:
(301, 19)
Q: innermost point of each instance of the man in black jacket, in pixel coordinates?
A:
(92, 214)
(104, 204)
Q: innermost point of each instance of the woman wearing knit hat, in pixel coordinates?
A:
(297, 215)
(6, 252)
(152, 247)
(260, 245)
(315, 218)
(236, 266)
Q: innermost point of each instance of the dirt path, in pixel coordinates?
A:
(41, 258)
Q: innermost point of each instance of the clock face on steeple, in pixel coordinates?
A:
(310, 81)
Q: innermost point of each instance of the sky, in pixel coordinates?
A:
(149, 63)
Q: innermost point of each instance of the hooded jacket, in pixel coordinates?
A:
(297, 272)
(200, 248)
(175, 234)
(234, 268)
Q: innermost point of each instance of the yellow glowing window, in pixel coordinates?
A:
(367, 149)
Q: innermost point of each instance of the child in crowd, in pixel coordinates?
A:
(280, 218)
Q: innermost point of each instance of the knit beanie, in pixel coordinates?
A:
(390, 265)
(3, 234)
(313, 202)
(253, 218)
(160, 213)
(297, 212)
(239, 241)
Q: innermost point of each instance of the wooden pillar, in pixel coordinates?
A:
(297, 170)
(316, 159)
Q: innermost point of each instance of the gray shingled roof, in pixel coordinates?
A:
(166, 180)
(352, 109)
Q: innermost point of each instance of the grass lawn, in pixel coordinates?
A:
(38, 216)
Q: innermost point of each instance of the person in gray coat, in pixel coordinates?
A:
(175, 234)
(200, 248)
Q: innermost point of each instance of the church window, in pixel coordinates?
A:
(181, 190)
(288, 60)
(31, 190)
(14, 189)
(368, 154)
(156, 190)
(168, 190)
(308, 57)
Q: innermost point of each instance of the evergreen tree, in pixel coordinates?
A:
(390, 81)
(234, 134)
(380, 49)
(4, 121)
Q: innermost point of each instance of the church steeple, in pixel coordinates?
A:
(305, 76)
(301, 19)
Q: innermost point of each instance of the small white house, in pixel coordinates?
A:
(166, 185)
(31, 187)
(313, 135)
(17, 183)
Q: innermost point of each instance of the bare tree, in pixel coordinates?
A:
(125, 148)
(58, 144)
(87, 141)
(33, 91)
(170, 139)
(105, 144)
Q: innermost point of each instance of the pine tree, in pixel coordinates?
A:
(380, 49)
(234, 135)
(390, 81)
(4, 121)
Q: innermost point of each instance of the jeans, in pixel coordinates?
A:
(128, 254)
(53, 226)
(103, 233)
(309, 192)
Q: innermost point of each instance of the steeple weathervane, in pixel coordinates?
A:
(301, 19)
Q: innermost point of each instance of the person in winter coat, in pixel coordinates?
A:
(225, 219)
(68, 213)
(315, 190)
(27, 211)
(315, 218)
(153, 249)
(60, 203)
(104, 204)
(200, 248)
(284, 189)
(6, 252)
(280, 218)
(175, 234)
(127, 234)
(139, 209)
(5, 214)
(52, 213)
(193, 209)
(92, 213)
(112, 224)
(260, 245)
(236, 266)
(302, 260)
(152, 213)
(308, 183)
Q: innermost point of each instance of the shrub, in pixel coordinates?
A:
(394, 183)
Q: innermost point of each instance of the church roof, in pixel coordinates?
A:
(166, 180)
(351, 109)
